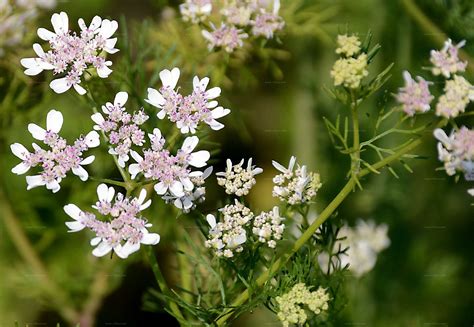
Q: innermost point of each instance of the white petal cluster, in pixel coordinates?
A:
(173, 173)
(123, 231)
(292, 304)
(236, 179)
(190, 198)
(295, 186)
(457, 151)
(59, 159)
(187, 112)
(236, 20)
(16, 17)
(269, 227)
(446, 61)
(364, 242)
(227, 236)
(195, 11)
(72, 54)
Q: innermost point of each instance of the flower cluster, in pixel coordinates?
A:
(458, 92)
(195, 11)
(125, 229)
(457, 151)
(295, 186)
(351, 68)
(291, 304)
(236, 179)
(190, 110)
(72, 54)
(268, 227)
(363, 243)
(57, 161)
(237, 20)
(446, 61)
(15, 18)
(348, 45)
(414, 96)
(122, 129)
(227, 236)
(172, 172)
(188, 201)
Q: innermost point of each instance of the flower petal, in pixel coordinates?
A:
(120, 99)
(60, 85)
(54, 121)
(19, 150)
(34, 181)
(37, 132)
(199, 159)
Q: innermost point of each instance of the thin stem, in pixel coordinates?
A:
(59, 299)
(98, 290)
(163, 285)
(325, 214)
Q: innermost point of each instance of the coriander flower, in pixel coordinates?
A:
(458, 92)
(266, 23)
(268, 227)
(172, 172)
(348, 45)
(291, 304)
(295, 187)
(363, 243)
(227, 37)
(237, 180)
(190, 110)
(59, 159)
(227, 236)
(121, 128)
(446, 61)
(457, 151)
(188, 201)
(71, 54)
(195, 10)
(238, 13)
(414, 96)
(349, 72)
(124, 229)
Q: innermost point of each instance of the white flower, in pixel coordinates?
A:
(295, 187)
(362, 243)
(195, 10)
(237, 180)
(126, 229)
(59, 160)
(187, 111)
(71, 54)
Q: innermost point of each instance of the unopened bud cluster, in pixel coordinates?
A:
(292, 304)
(268, 227)
(226, 237)
(351, 68)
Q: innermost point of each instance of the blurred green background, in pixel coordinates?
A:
(423, 279)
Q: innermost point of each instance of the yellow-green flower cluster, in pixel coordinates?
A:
(349, 72)
(458, 93)
(292, 304)
(348, 45)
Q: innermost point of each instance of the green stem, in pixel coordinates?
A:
(163, 285)
(59, 299)
(325, 214)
